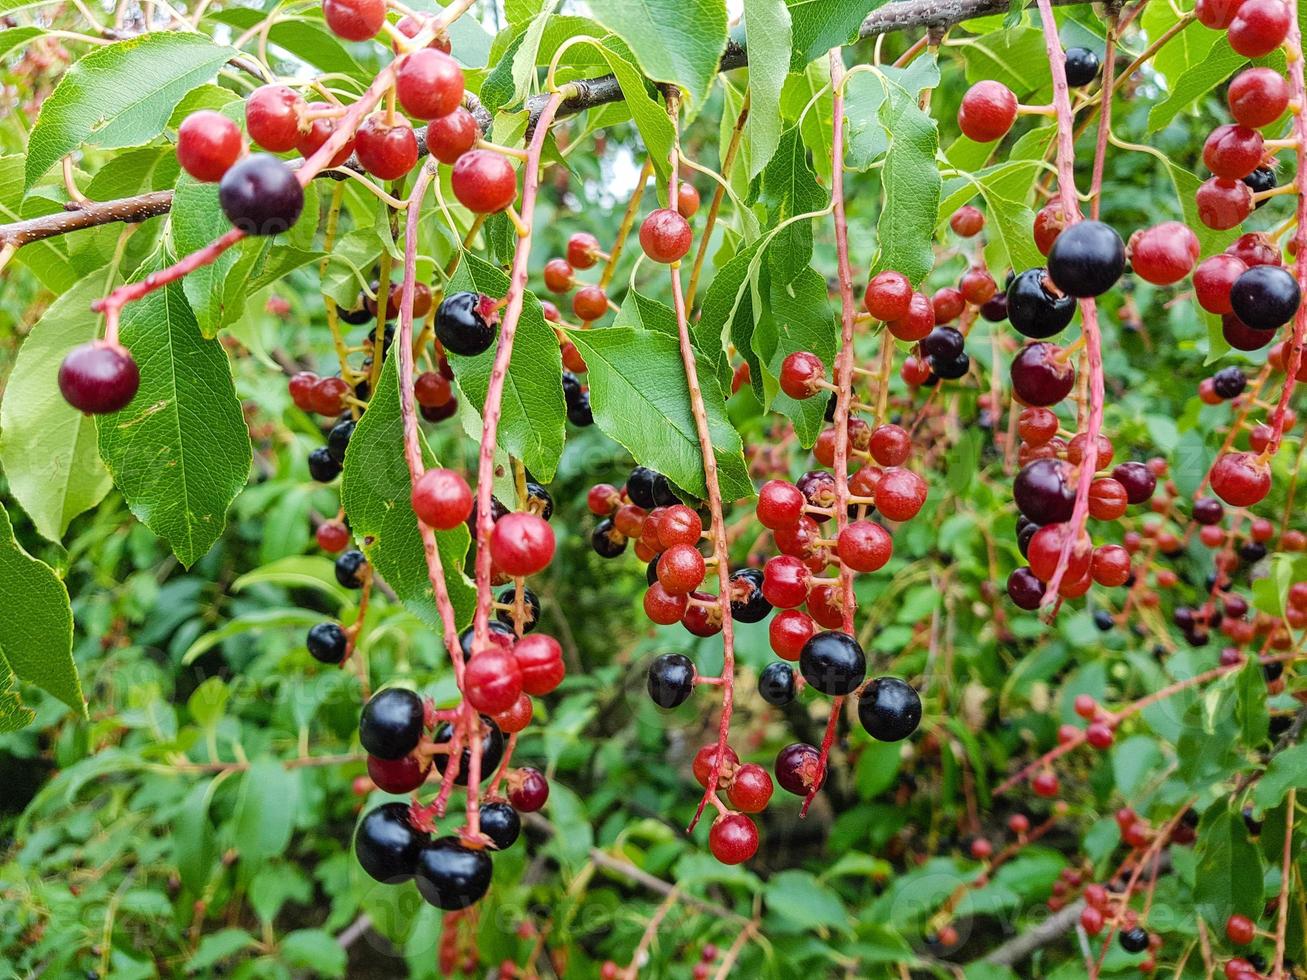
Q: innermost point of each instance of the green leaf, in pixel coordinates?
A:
(1250, 708)
(679, 41)
(1219, 63)
(649, 114)
(208, 702)
(13, 714)
(1015, 57)
(375, 491)
(218, 946)
(1229, 869)
(640, 399)
(1288, 770)
(533, 412)
(265, 811)
(768, 39)
(804, 902)
(912, 187)
(195, 848)
(121, 94)
(36, 631)
(789, 188)
(315, 950)
(256, 622)
(298, 572)
(18, 36)
(868, 139)
(48, 448)
(180, 451)
(819, 25)
(309, 40)
(798, 317)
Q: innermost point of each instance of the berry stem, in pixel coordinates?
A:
(719, 192)
(503, 354)
(1286, 866)
(628, 222)
(721, 547)
(1104, 119)
(1066, 180)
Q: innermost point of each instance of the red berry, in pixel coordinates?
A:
(99, 377)
(272, 117)
(1018, 823)
(890, 444)
(484, 181)
(662, 607)
(1037, 425)
(798, 768)
(788, 631)
(751, 789)
(706, 756)
(967, 221)
(1213, 280)
(981, 849)
(1163, 254)
(1091, 920)
(354, 20)
(917, 323)
(442, 499)
(411, 27)
(947, 304)
(801, 373)
(1257, 97)
(733, 838)
(1223, 203)
(517, 717)
(1233, 151)
(429, 84)
(540, 658)
(1049, 222)
(1045, 785)
(977, 286)
(301, 387)
(678, 524)
(451, 135)
(1107, 499)
(1240, 930)
(1259, 27)
(208, 143)
(888, 295)
(665, 236)
(785, 581)
(397, 775)
(387, 152)
(864, 546)
(603, 499)
(1240, 479)
(558, 276)
(987, 112)
(332, 536)
(1099, 735)
(1216, 14)
(528, 790)
(900, 494)
(320, 130)
(521, 544)
(492, 680)
(590, 303)
(681, 569)
(1255, 248)
(687, 199)
(1085, 706)
(1045, 551)
(582, 251)
(432, 390)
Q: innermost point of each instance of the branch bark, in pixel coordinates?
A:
(592, 92)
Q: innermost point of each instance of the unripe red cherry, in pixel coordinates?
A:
(385, 151)
(540, 659)
(1213, 280)
(429, 84)
(528, 790)
(1216, 14)
(1255, 248)
(977, 286)
(484, 181)
(801, 373)
(558, 276)
(272, 117)
(1223, 203)
(1257, 97)
(662, 607)
(900, 494)
(590, 303)
(1259, 27)
(411, 27)
(788, 631)
(442, 500)
(332, 536)
(888, 295)
(521, 544)
(687, 199)
(516, 717)
(1240, 930)
(751, 789)
(1163, 254)
(1240, 479)
(785, 581)
(864, 546)
(780, 504)
(582, 250)
(354, 20)
(1233, 151)
(681, 569)
(1099, 735)
(320, 130)
(451, 135)
(99, 377)
(665, 236)
(890, 444)
(492, 680)
(917, 323)
(987, 112)
(1045, 784)
(733, 838)
(967, 221)
(947, 304)
(208, 143)
(1049, 222)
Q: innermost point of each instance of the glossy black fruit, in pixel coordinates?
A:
(322, 467)
(1265, 297)
(1103, 620)
(530, 608)
(752, 607)
(542, 500)
(450, 875)
(392, 723)
(944, 342)
(889, 709)
(1134, 940)
(327, 643)
(1024, 588)
(1229, 382)
(1138, 480)
(494, 626)
(492, 749)
(460, 327)
(260, 195)
(338, 440)
(579, 412)
(1081, 66)
(776, 683)
(833, 663)
(950, 369)
(501, 823)
(640, 487)
(1034, 308)
(1261, 179)
(1086, 259)
(349, 568)
(606, 540)
(1043, 492)
(386, 844)
(671, 679)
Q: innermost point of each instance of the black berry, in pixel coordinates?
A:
(450, 875)
(541, 500)
(349, 569)
(260, 196)
(530, 608)
(460, 327)
(747, 602)
(1229, 382)
(1081, 66)
(1265, 297)
(889, 709)
(579, 412)
(392, 723)
(501, 824)
(1034, 308)
(606, 540)
(327, 643)
(1261, 179)
(322, 467)
(1134, 940)
(949, 369)
(338, 440)
(1043, 493)
(1087, 259)
(640, 487)
(776, 683)
(386, 844)
(943, 342)
(833, 663)
(492, 749)
(671, 679)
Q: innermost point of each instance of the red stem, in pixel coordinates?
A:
(1104, 120)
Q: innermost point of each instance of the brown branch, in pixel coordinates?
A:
(1050, 930)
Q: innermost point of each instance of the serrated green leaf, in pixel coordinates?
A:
(789, 188)
(1229, 869)
(48, 448)
(533, 412)
(819, 25)
(265, 811)
(193, 839)
(36, 631)
(1016, 57)
(912, 187)
(640, 399)
(13, 714)
(768, 38)
(1288, 770)
(121, 94)
(1196, 80)
(678, 41)
(376, 490)
(315, 950)
(649, 114)
(180, 451)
